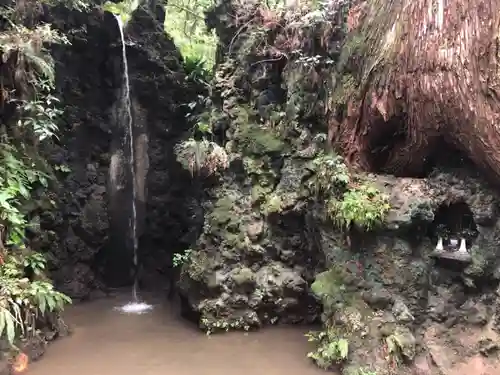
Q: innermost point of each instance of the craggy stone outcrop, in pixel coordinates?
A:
(397, 305)
(81, 238)
(259, 250)
(288, 211)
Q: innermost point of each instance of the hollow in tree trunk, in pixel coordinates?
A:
(425, 71)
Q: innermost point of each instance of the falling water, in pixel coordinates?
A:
(136, 306)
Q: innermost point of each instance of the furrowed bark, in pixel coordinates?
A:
(427, 71)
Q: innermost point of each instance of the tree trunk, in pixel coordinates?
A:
(426, 71)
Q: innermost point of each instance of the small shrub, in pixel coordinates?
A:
(363, 206)
(330, 175)
(179, 259)
(23, 301)
(330, 349)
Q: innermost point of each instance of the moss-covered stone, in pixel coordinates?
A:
(255, 139)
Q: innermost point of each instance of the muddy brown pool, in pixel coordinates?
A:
(105, 342)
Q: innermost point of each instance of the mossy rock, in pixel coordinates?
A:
(257, 140)
(259, 193)
(222, 214)
(330, 287)
(274, 204)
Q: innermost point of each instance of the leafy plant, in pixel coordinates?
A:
(330, 350)
(349, 199)
(18, 176)
(23, 301)
(180, 258)
(25, 297)
(40, 115)
(330, 174)
(363, 205)
(185, 22)
(196, 71)
(123, 10)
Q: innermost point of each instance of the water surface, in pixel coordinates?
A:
(105, 342)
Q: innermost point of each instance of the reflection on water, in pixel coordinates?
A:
(106, 342)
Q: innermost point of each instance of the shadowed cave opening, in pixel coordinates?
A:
(452, 222)
(436, 152)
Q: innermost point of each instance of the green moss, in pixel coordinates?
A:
(273, 204)
(222, 214)
(197, 265)
(259, 193)
(401, 344)
(479, 264)
(329, 286)
(345, 89)
(253, 166)
(258, 140)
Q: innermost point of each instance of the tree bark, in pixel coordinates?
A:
(429, 72)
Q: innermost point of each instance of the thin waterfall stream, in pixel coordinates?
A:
(135, 306)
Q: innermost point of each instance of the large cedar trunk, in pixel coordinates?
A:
(426, 72)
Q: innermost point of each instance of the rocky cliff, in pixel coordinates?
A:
(78, 213)
(292, 234)
(88, 236)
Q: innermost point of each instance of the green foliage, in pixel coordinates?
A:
(21, 169)
(40, 115)
(330, 174)
(349, 199)
(24, 52)
(179, 259)
(185, 22)
(123, 9)
(196, 69)
(22, 301)
(25, 49)
(18, 175)
(330, 348)
(363, 206)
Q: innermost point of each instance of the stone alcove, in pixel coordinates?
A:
(453, 221)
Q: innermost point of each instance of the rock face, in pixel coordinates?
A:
(388, 302)
(406, 302)
(89, 235)
(260, 247)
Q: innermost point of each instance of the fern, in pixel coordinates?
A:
(25, 56)
(23, 301)
(363, 206)
(330, 349)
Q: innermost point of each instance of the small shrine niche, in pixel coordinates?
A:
(453, 231)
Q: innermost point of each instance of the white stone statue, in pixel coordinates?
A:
(439, 246)
(463, 246)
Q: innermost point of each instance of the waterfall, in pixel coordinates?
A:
(135, 306)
